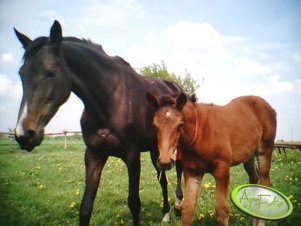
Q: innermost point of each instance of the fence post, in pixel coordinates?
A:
(65, 139)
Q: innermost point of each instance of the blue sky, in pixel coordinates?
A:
(231, 47)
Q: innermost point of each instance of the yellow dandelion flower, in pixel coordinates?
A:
(201, 216)
(206, 185)
(41, 186)
(72, 205)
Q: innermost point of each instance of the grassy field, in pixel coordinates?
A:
(45, 187)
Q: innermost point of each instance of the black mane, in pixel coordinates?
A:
(34, 47)
(38, 43)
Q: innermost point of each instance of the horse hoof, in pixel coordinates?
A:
(166, 218)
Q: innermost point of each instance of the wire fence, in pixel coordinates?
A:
(65, 134)
(280, 146)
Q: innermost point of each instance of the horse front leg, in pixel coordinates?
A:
(94, 165)
(192, 188)
(221, 174)
(161, 176)
(132, 160)
(179, 192)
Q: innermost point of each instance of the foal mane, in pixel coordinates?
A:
(167, 101)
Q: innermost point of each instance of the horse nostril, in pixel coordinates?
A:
(165, 165)
(26, 136)
(30, 133)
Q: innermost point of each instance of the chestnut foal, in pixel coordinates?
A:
(212, 139)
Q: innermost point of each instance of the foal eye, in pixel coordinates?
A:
(180, 126)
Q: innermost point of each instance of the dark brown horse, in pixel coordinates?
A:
(212, 139)
(116, 121)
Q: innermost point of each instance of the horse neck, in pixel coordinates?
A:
(92, 75)
(192, 123)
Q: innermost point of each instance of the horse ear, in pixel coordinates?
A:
(152, 100)
(22, 38)
(56, 33)
(181, 101)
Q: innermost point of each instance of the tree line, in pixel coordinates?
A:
(188, 84)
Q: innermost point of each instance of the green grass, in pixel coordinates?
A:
(45, 187)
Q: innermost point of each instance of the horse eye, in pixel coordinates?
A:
(50, 74)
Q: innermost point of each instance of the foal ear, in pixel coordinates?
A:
(56, 33)
(181, 101)
(192, 98)
(152, 100)
(22, 38)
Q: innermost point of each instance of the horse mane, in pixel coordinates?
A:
(34, 47)
(38, 43)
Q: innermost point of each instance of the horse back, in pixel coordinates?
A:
(236, 130)
(262, 111)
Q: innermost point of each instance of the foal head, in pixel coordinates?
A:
(168, 121)
(46, 85)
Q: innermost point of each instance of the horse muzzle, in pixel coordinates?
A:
(167, 162)
(29, 139)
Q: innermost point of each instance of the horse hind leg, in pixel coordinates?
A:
(252, 170)
(264, 158)
(264, 164)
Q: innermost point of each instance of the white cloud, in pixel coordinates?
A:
(296, 57)
(193, 37)
(249, 67)
(9, 90)
(229, 66)
(192, 46)
(278, 86)
(112, 12)
(153, 54)
(10, 97)
(7, 58)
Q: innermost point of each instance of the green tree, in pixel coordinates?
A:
(188, 84)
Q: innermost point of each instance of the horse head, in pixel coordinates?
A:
(168, 121)
(46, 85)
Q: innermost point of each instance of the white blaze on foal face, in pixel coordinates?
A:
(167, 114)
(167, 121)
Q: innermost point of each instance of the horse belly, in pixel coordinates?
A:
(243, 152)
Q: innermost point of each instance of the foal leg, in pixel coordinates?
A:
(252, 170)
(163, 182)
(132, 161)
(221, 174)
(192, 188)
(179, 192)
(94, 165)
